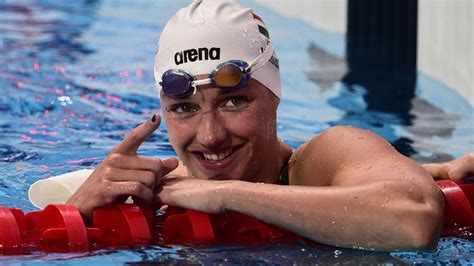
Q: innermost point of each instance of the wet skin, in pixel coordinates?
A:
(342, 181)
(235, 130)
(239, 128)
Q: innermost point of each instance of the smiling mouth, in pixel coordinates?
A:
(217, 157)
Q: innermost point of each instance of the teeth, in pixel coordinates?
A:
(217, 157)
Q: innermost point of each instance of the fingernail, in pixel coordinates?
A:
(153, 118)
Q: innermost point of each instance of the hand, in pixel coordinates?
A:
(456, 170)
(191, 193)
(123, 173)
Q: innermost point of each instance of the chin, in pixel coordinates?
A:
(215, 175)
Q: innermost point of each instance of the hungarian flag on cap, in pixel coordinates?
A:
(262, 28)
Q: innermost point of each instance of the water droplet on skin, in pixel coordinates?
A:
(333, 222)
(341, 167)
(357, 166)
(345, 208)
(342, 227)
(245, 30)
(253, 41)
(386, 199)
(368, 167)
(361, 203)
(201, 21)
(410, 190)
(383, 206)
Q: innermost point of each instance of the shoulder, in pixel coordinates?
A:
(340, 141)
(316, 161)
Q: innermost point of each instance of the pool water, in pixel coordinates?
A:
(76, 76)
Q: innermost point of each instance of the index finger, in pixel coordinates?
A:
(133, 140)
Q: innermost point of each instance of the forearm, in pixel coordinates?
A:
(376, 215)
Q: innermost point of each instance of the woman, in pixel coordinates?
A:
(220, 89)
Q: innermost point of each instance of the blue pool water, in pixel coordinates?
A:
(75, 76)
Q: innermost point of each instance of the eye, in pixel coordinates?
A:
(234, 102)
(182, 108)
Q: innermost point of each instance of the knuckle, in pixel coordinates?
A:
(470, 158)
(445, 167)
(137, 189)
(108, 172)
(149, 179)
(158, 164)
(114, 158)
(109, 198)
(110, 194)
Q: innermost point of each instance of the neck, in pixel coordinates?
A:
(279, 157)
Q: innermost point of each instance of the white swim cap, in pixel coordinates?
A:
(209, 32)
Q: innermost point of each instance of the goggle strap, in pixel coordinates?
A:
(261, 59)
(256, 64)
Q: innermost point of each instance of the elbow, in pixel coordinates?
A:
(425, 225)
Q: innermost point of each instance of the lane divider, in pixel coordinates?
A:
(61, 228)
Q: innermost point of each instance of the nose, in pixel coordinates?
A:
(211, 131)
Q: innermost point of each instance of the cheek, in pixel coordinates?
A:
(179, 133)
(254, 123)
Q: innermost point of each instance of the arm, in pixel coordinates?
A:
(456, 170)
(351, 192)
(348, 188)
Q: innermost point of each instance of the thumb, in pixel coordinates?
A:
(168, 165)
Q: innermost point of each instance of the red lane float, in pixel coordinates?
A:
(11, 229)
(458, 215)
(123, 224)
(60, 228)
(195, 228)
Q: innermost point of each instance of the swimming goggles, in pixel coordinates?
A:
(179, 84)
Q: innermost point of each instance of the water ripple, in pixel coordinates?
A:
(10, 154)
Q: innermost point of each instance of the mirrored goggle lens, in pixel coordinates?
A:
(176, 84)
(228, 76)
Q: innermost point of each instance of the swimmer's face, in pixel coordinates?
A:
(223, 135)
